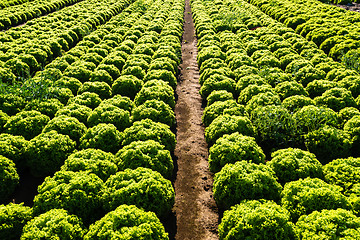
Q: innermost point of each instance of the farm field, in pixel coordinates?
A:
(173, 119)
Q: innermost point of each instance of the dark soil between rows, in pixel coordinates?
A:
(195, 208)
(351, 7)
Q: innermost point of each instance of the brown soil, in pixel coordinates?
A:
(351, 7)
(195, 208)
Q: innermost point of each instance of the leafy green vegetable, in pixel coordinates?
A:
(243, 180)
(232, 148)
(257, 219)
(9, 178)
(304, 196)
(127, 222)
(141, 187)
(13, 217)
(54, 224)
(77, 192)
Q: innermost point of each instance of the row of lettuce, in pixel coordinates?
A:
(104, 139)
(334, 30)
(19, 14)
(8, 3)
(282, 124)
(27, 49)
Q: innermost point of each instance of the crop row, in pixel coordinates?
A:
(8, 3)
(334, 30)
(104, 139)
(27, 49)
(280, 151)
(19, 14)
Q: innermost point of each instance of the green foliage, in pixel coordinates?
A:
(107, 113)
(262, 99)
(147, 129)
(147, 154)
(257, 220)
(46, 106)
(253, 46)
(343, 172)
(274, 125)
(220, 95)
(287, 89)
(220, 108)
(127, 85)
(328, 143)
(292, 164)
(60, 93)
(310, 118)
(119, 101)
(252, 90)
(141, 187)
(103, 136)
(318, 87)
(6, 76)
(54, 224)
(169, 53)
(13, 217)
(354, 197)
(81, 73)
(163, 64)
(352, 127)
(76, 192)
(337, 52)
(217, 82)
(213, 63)
(91, 161)
(116, 60)
(102, 89)
(71, 83)
(9, 178)
(296, 102)
(27, 124)
(11, 103)
(70, 126)
(209, 72)
(347, 113)
(351, 83)
(14, 148)
(248, 79)
(88, 99)
(18, 68)
(80, 112)
(351, 59)
(158, 111)
(304, 196)
(339, 73)
(233, 148)
(49, 73)
(336, 99)
(127, 222)
(156, 89)
(47, 152)
(227, 124)
(329, 224)
(164, 75)
(101, 76)
(243, 180)
(136, 71)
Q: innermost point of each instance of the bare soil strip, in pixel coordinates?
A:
(351, 7)
(195, 208)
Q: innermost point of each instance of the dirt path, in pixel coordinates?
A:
(195, 208)
(351, 7)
